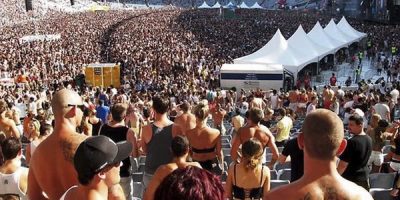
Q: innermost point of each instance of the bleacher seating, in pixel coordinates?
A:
(274, 174)
(382, 180)
(380, 194)
(277, 183)
(284, 174)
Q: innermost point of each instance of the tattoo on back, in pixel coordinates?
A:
(331, 194)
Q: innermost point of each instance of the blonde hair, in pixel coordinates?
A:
(252, 152)
(201, 111)
(374, 120)
(36, 126)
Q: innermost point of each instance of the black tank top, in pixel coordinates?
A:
(96, 127)
(159, 148)
(118, 134)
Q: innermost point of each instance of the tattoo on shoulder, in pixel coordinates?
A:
(70, 145)
(307, 196)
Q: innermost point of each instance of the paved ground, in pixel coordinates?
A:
(345, 70)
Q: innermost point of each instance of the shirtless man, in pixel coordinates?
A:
(51, 170)
(253, 129)
(218, 114)
(321, 140)
(293, 99)
(7, 125)
(186, 120)
(327, 96)
(258, 102)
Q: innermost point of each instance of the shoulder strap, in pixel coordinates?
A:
(234, 172)
(262, 173)
(101, 127)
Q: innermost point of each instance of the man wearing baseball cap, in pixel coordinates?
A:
(97, 161)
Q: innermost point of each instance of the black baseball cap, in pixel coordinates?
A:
(97, 152)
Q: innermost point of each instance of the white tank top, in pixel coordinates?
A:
(9, 183)
(34, 144)
(66, 192)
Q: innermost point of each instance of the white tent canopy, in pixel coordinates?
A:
(204, 5)
(319, 36)
(257, 6)
(306, 51)
(243, 5)
(216, 5)
(345, 27)
(230, 4)
(302, 49)
(276, 51)
(333, 32)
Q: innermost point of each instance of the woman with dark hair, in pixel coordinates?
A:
(205, 142)
(190, 183)
(249, 179)
(180, 151)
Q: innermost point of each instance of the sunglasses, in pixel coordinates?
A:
(82, 107)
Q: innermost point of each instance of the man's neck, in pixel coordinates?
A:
(160, 117)
(64, 126)
(314, 168)
(95, 191)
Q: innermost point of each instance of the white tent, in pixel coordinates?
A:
(243, 5)
(301, 44)
(276, 51)
(257, 6)
(319, 36)
(216, 5)
(204, 5)
(332, 30)
(230, 4)
(345, 27)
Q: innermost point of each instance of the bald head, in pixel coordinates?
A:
(323, 133)
(62, 99)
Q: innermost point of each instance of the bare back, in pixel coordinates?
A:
(52, 169)
(7, 126)
(186, 121)
(259, 133)
(327, 187)
(204, 138)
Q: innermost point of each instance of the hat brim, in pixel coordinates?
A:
(124, 151)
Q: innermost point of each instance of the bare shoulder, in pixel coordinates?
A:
(69, 145)
(354, 192)
(283, 192)
(196, 164)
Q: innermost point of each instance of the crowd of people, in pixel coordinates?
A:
(170, 60)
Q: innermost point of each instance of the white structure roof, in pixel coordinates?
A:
(306, 51)
(276, 51)
(230, 4)
(240, 68)
(345, 27)
(243, 5)
(216, 5)
(336, 34)
(257, 6)
(319, 36)
(204, 5)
